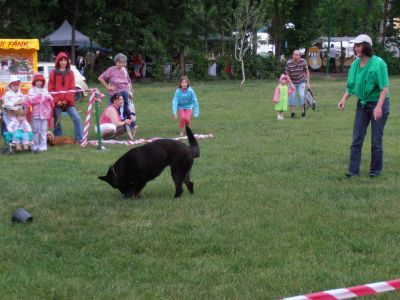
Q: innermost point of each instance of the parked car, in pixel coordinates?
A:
(80, 81)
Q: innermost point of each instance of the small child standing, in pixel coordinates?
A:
(12, 100)
(184, 101)
(281, 97)
(21, 131)
(42, 104)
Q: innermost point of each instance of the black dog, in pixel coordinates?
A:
(134, 169)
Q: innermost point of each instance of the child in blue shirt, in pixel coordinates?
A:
(184, 102)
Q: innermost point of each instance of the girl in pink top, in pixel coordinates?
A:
(42, 106)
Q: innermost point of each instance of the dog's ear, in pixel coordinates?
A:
(107, 178)
(104, 178)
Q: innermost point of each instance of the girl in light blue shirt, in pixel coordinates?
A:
(184, 102)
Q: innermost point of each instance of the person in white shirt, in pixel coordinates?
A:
(13, 99)
(21, 131)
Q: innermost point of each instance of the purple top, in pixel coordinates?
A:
(118, 78)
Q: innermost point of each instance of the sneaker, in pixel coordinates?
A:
(348, 175)
(374, 175)
(292, 115)
(303, 114)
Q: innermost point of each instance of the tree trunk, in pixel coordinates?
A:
(76, 12)
(255, 42)
(276, 23)
(366, 15)
(221, 28)
(382, 27)
(243, 74)
(182, 62)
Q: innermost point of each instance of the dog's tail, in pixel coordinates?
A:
(194, 147)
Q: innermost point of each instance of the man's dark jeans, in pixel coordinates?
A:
(365, 115)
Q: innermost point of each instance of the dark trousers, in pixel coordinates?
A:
(365, 115)
(332, 64)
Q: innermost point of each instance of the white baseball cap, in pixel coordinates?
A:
(12, 79)
(362, 38)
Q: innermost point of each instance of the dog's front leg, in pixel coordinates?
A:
(132, 195)
(129, 192)
(137, 188)
(128, 195)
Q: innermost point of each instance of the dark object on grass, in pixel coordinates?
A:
(21, 216)
(134, 169)
(309, 100)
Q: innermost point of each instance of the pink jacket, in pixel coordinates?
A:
(42, 104)
(275, 99)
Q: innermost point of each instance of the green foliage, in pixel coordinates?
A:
(200, 62)
(161, 30)
(44, 53)
(392, 62)
(260, 67)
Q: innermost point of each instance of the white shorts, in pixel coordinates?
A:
(106, 126)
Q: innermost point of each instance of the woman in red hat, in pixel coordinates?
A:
(42, 106)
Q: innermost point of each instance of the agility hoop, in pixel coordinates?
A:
(352, 292)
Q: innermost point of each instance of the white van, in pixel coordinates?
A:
(45, 68)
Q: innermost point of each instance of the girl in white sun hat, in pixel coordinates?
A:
(13, 99)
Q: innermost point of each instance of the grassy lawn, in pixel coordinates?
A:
(272, 214)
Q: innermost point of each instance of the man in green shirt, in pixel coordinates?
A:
(368, 80)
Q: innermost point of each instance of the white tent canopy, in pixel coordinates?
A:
(63, 37)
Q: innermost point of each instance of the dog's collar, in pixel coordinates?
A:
(115, 173)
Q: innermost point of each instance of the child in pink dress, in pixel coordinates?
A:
(281, 97)
(42, 105)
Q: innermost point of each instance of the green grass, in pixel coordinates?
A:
(272, 215)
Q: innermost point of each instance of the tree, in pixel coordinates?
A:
(246, 19)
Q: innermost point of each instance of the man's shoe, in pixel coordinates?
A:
(348, 175)
(374, 175)
(303, 114)
(292, 115)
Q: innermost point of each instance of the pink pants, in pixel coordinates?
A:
(184, 115)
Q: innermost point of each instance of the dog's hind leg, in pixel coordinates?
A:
(189, 183)
(178, 178)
